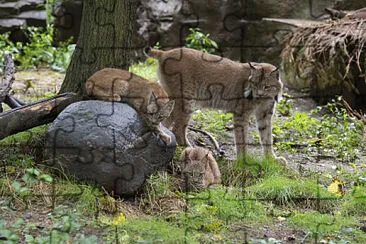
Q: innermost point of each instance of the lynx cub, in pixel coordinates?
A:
(147, 98)
(193, 78)
(199, 168)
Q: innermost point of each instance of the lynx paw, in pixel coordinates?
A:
(166, 139)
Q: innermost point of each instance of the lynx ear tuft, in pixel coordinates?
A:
(251, 66)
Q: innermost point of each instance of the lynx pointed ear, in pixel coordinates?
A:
(277, 68)
(152, 107)
(152, 98)
(169, 106)
(251, 66)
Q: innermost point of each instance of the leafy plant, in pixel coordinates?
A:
(284, 107)
(334, 133)
(200, 41)
(39, 50)
(145, 69)
(214, 121)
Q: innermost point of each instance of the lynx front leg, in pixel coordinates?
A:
(264, 115)
(241, 124)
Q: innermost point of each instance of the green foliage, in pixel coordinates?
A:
(334, 133)
(214, 121)
(31, 177)
(39, 50)
(145, 69)
(355, 201)
(158, 185)
(284, 107)
(200, 41)
(222, 205)
(326, 225)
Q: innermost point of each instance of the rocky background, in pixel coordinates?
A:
(15, 14)
(241, 28)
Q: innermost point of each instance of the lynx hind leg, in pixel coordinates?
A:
(179, 118)
(264, 116)
(119, 89)
(214, 168)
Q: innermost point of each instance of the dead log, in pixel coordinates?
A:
(34, 114)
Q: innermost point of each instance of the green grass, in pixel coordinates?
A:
(303, 193)
(227, 205)
(355, 202)
(327, 226)
(146, 69)
(248, 169)
(213, 121)
(153, 230)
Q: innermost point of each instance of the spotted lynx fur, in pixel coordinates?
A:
(193, 78)
(147, 98)
(199, 168)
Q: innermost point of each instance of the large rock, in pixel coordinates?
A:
(99, 142)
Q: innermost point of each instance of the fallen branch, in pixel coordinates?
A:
(354, 113)
(35, 114)
(210, 136)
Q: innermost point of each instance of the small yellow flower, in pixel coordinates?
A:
(336, 187)
(280, 218)
(118, 219)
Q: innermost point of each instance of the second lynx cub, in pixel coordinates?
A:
(193, 78)
(199, 168)
(147, 98)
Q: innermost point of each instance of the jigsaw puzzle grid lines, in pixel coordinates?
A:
(94, 50)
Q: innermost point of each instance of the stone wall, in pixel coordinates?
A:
(237, 26)
(15, 14)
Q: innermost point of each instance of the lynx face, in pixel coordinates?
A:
(194, 175)
(264, 82)
(199, 168)
(157, 111)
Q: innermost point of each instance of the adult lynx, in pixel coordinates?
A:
(193, 78)
(199, 168)
(147, 98)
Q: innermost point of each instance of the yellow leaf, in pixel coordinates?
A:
(280, 218)
(334, 188)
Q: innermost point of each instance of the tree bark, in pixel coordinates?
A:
(104, 41)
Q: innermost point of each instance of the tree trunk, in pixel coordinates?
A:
(104, 41)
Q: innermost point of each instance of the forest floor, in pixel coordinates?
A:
(320, 197)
